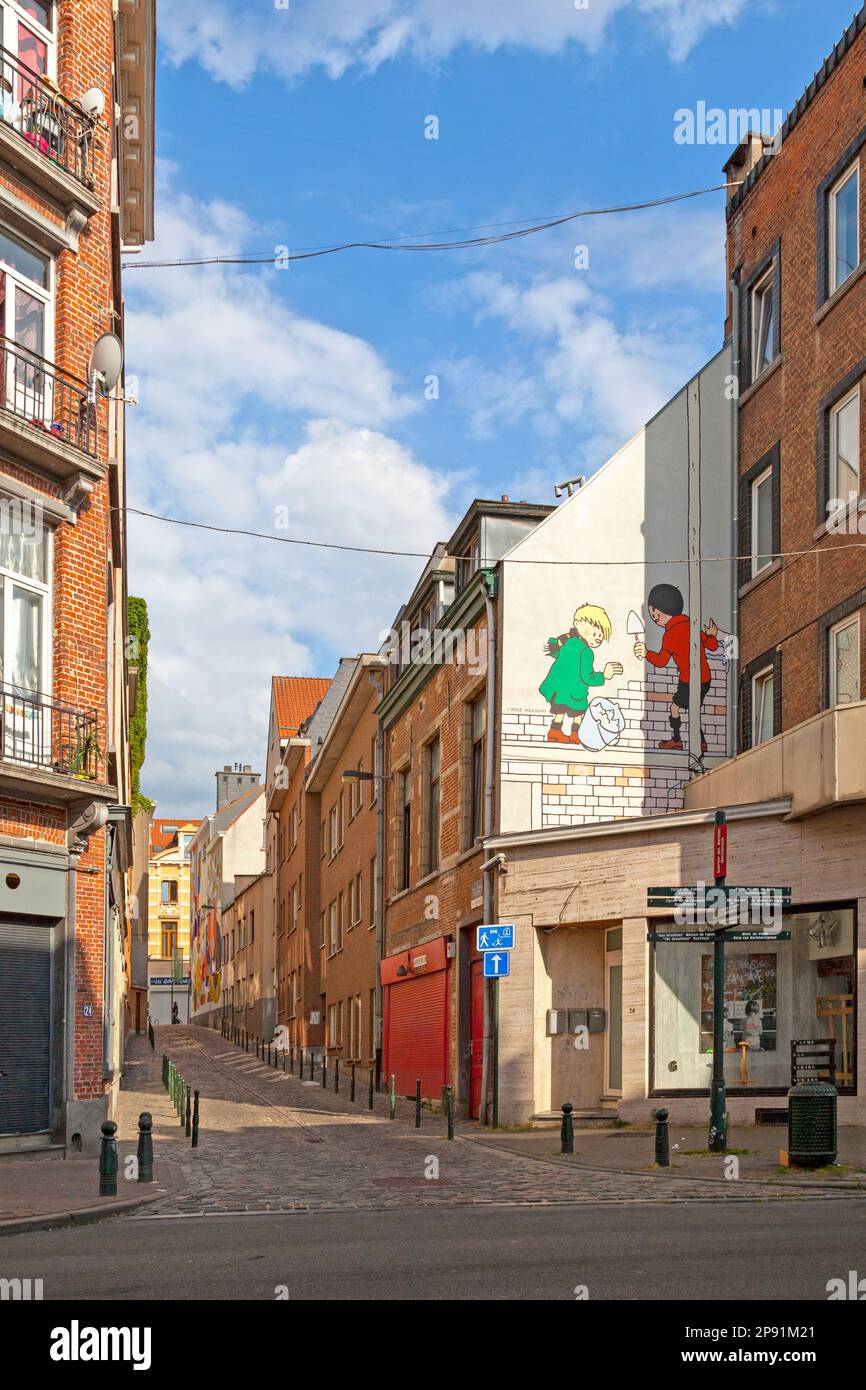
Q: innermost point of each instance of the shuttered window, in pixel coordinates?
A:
(417, 1033)
(25, 1027)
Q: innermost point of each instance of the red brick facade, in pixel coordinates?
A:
(821, 350)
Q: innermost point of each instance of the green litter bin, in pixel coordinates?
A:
(812, 1124)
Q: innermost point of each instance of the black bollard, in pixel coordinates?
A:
(108, 1160)
(352, 1084)
(336, 1076)
(291, 1059)
(300, 1064)
(567, 1130)
(417, 1104)
(188, 1120)
(324, 1071)
(269, 1054)
(145, 1147)
(663, 1143)
(195, 1122)
(312, 1063)
(450, 1110)
(370, 1101)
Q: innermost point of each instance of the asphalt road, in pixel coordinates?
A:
(737, 1251)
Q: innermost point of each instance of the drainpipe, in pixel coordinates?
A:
(734, 701)
(488, 1060)
(380, 786)
(277, 922)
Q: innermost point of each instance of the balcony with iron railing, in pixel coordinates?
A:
(47, 416)
(53, 133)
(42, 735)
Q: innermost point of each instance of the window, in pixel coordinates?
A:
(844, 227)
(405, 855)
(26, 320)
(372, 1034)
(25, 647)
(333, 931)
(469, 562)
(434, 767)
(845, 448)
(763, 706)
(476, 782)
(845, 661)
(324, 849)
(27, 34)
(341, 920)
(355, 1021)
(762, 522)
(763, 322)
(169, 890)
(332, 839)
(294, 827)
(169, 939)
(335, 1025)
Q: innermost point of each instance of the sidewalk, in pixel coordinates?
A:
(38, 1192)
(632, 1150)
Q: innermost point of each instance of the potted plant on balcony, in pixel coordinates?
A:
(80, 755)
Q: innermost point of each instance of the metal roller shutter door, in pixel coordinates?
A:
(25, 1027)
(418, 1033)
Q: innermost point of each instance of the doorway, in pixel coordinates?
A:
(613, 1012)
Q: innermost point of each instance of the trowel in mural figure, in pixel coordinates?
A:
(666, 604)
(572, 675)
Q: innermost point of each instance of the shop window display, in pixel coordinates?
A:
(775, 992)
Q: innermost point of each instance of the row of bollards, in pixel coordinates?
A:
(662, 1139)
(184, 1099)
(292, 1057)
(108, 1154)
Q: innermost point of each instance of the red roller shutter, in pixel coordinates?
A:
(416, 1029)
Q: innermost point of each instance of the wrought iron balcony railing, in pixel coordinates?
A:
(48, 398)
(38, 732)
(55, 126)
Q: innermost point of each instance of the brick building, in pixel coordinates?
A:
(76, 191)
(247, 989)
(440, 800)
(347, 867)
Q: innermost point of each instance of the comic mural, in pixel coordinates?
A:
(596, 691)
(206, 940)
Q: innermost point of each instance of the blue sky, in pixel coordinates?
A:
(304, 389)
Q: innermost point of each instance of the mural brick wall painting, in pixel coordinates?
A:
(597, 660)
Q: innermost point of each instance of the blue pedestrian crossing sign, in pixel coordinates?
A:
(496, 964)
(497, 938)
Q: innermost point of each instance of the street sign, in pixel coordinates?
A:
(495, 938)
(694, 895)
(496, 964)
(720, 850)
(703, 936)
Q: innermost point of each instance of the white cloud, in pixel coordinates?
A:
(233, 41)
(247, 407)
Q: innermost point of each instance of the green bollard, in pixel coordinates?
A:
(145, 1147)
(108, 1160)
(663, 1143)
(567, 1131)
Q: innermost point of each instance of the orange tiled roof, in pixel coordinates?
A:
(295, 698)
(161, 839)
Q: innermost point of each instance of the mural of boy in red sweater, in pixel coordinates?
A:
(666, 604)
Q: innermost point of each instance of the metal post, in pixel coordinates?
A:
(181, 1097)
(269, 1054)
(188, 1114)
(195, 1121)
(324, 1070)
(392, 1097)
(336, 1076)
(450, 1111)
(145, 1147)
(292, 1059)
(352, 1084)
(718, 1136)
(566, 1133)
(663, 1144)
(370, 1101)
(496, 1054)
(417, 1104)
(312, 1063)
(300, 1064)
(108, 1160)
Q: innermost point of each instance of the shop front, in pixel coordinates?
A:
(599, 1014)
(416, 1020)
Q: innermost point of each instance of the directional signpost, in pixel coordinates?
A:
(721, 907)
(495, 943)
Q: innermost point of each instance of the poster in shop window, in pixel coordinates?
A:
(750, 1002)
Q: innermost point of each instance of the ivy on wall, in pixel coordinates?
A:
(137, 643)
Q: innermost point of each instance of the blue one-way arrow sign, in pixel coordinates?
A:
(497, 938)
(496, 964)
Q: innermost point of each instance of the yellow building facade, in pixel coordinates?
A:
(168, 916)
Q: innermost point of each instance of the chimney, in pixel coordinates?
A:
(747, 154)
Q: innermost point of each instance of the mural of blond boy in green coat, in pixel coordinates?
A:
(567, 685)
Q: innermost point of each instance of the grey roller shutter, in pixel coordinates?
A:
(25, 1027)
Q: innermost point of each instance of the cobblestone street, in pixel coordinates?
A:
(270, 1142)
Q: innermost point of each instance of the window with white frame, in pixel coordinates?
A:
(27, 33)
(332, 832)
(845, 661)
(762, 522)
(433, 769)
(845, 447)
(25, 638)
(26, 319)
(763, 322)
(844, 227)
(333, 929)
(763, 705)
(335, 1025)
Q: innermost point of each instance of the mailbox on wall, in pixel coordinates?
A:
(557, 1021)
(595, 1020)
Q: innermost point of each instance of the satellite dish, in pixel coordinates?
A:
(93, 103)
(106, 360)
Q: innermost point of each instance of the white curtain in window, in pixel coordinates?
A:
(24, 641)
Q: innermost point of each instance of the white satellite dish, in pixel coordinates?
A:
(93, 103)
(106, 360)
